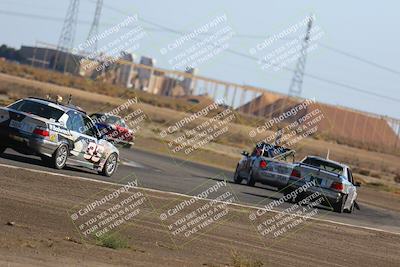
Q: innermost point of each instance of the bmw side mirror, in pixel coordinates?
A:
(358, 184)
(245, 153)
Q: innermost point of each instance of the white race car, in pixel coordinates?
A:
(59, 134)
(332, 179)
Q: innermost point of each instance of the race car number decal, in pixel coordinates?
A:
(94, 152)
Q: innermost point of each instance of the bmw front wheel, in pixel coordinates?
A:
(59, 158)
(110, 166)
(2, 149)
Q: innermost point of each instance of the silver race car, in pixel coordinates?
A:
(59, 134)
(268, 164)
(333, 180)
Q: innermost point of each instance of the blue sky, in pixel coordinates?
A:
(367, 29)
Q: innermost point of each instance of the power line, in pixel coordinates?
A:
(164, 28)
(366, 61)
(247, 36)
(34, 16)
(325, 80)
(313, 76)
(327, 47)
(255, 36)
(354, 88)
(58, 19)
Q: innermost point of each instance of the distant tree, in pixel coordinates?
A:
(10, 53)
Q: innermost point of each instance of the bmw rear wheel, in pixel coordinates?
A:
(59, 158)
(236, 177)
(111, 165)
(351, 208)
(339, 206)
(250, 179)
(287, 192)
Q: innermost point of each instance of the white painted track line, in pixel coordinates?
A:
(184, 195)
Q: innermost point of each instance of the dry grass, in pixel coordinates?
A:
(103, 88)
(113, 241)
(239, 260)
(224, 152)
(100, 87)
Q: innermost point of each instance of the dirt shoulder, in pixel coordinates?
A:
(41, 233)
(215, 155)
(378, 198)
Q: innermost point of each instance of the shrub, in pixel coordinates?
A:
(397, 178)
(376, 175)
(240, 261)
(113, 241)
(364, 172)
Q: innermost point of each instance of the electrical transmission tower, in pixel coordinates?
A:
(94, 29)
(296, 84)
(66, 40)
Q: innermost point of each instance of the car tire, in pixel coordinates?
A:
(281, 188)
(111, 165)
(236, 178)
(339, 206)
(250, 179)
(300, 197)
(59, 158)
(287, 191)
(351, 208)
(2, 149)
(46, 160)
(127, 146)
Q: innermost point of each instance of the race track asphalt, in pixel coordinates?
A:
(172, 175)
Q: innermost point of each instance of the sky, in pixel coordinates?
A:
(366, 31)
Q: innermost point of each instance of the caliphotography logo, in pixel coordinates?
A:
(199, 133)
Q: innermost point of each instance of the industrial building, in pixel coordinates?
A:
(51, 58)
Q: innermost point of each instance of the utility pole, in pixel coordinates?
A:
(67, 36)
(94, 29)
(296, 84)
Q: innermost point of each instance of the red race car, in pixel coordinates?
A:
(113, 128)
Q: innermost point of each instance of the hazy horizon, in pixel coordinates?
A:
(368, 38)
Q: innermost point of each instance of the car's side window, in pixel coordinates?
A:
(122, 123)
(75, 122)
(350, 176)
(89, 127)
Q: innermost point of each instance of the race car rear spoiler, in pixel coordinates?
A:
(285, 154)
(319, 169)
